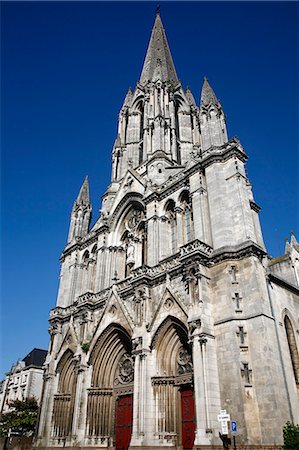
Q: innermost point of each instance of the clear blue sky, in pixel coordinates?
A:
(66, 68)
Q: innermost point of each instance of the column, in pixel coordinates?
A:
(197, 216)
(199, 392)
(139, 399)
(153, 250)
(77, 402)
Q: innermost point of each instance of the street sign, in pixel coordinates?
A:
(233, 426)
(224, 418)
(224, 427)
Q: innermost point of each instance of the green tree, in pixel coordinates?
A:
(291, 436)
(21, 418)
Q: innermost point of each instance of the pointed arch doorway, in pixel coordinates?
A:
(110, 397)
(173, 387)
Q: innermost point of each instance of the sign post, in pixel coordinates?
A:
(233, 429)
(224, 418)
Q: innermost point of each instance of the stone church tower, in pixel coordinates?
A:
(169, 308)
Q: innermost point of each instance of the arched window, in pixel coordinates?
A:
(64, 400)
(188, 228)
(89, 270)
(292, 347)
(172, 226)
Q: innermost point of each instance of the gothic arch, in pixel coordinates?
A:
(293, 349)
(131, 235)
(89, 269)
(131, 198)
(64, 400)
(170, 337)
(181, 102)
(111, 345)
(174, 371)
(138, 103)
(112, 371)
(66, 373)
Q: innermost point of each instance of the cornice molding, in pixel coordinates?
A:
(283, 283)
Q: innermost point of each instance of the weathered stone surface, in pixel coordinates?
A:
(172, 288)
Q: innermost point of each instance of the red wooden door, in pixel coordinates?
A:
(123, 422)
(188, 419)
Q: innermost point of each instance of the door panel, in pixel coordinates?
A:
(123, 422)
(188, 418)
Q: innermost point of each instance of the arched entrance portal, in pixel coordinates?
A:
(110, 397)
(173, 387)
(64, 400)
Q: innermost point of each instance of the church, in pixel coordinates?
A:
(169, 309)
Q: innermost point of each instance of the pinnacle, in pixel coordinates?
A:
(83, 197)
(158, 64)
(128, 97)
(207, 94)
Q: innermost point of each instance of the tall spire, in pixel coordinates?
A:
(83, 197)
(158, 62)
(207, 94)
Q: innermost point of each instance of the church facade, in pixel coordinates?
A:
(169, 308)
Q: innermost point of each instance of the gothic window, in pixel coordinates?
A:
(187, 217)
(89, 270)
(64, 400)
(172, 226)
(292, 347)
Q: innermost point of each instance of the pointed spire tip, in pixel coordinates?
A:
(158, 63)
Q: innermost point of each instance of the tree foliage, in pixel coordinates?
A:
(21, 417)
(291, 436)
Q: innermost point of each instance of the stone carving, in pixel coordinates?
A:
(55, 328)
(195, 324)
(126, 369)
(184, 361)
(135, 218)
(130, 253)
(136, 344)
(168, 304)
(112, 310)
(139, 305)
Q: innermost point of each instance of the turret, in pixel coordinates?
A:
(212, 119)
(81, 213)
